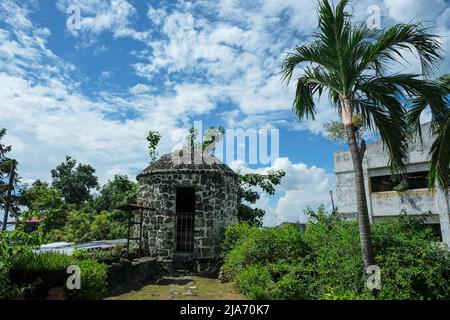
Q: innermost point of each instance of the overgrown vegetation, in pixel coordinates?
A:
(17, 256)
(48, 261)
(92, 217)
(93, 281)
(13, 245)
(324, 261)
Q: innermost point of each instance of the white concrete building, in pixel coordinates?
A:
(382, 200)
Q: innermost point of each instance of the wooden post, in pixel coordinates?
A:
(128, 236)
(140, 232)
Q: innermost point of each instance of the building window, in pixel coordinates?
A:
(436, 228)
(415, 180)
(418, 180)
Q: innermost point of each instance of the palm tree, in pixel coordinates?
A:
(351, 63)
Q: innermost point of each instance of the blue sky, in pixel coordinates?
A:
(93, 92)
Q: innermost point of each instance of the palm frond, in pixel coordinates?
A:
(387, 119)
(433, 94)
(440, 156)
(304, 105)
(412, 37)
(380, 103)
(310, 53)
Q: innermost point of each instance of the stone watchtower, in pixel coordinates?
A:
(195, 198)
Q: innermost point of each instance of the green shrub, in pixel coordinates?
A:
(6, 287)
(335, 253)
(332, 294)
(235, 233)
(255, 282)
(293, 281)
(412, 264)
(81, 254)
(93, 281)
(48, 261)
(13, 245)
(264, 246)
(324, 262)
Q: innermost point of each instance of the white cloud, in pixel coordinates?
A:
(200, 62)
(240, 52)
(418, 10)
(141, 88)
(98, 16)
(47, 116)
(433, 14)
(302, 186)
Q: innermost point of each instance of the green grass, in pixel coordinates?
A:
(43, 262)
(184, 288)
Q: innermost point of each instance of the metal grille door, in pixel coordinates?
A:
(185, 220)
(185, 232)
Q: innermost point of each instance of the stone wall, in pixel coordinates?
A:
(125, 275)
(215, 209)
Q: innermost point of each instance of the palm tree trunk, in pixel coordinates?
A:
(361, 204)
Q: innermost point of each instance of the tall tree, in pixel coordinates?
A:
(74, 182)
(46, 202)
(5, 161)
(119, 191)
(247, 194)
(9, 181)
(350, 61)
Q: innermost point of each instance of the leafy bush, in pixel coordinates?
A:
(93, 281)
(413, 265)
(104, 227)
(16, 254)
(324, 262)
(255, 282)
(84, 226)
(332, 294)
(95, 219)
(235, 233)
(13, 246)
(49, 261)
(264, 246)
(335, 252)
(293, 281)
(81, 254)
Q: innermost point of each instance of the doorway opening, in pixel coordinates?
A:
(185, 220)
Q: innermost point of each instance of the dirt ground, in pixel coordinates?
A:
(183, 288)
